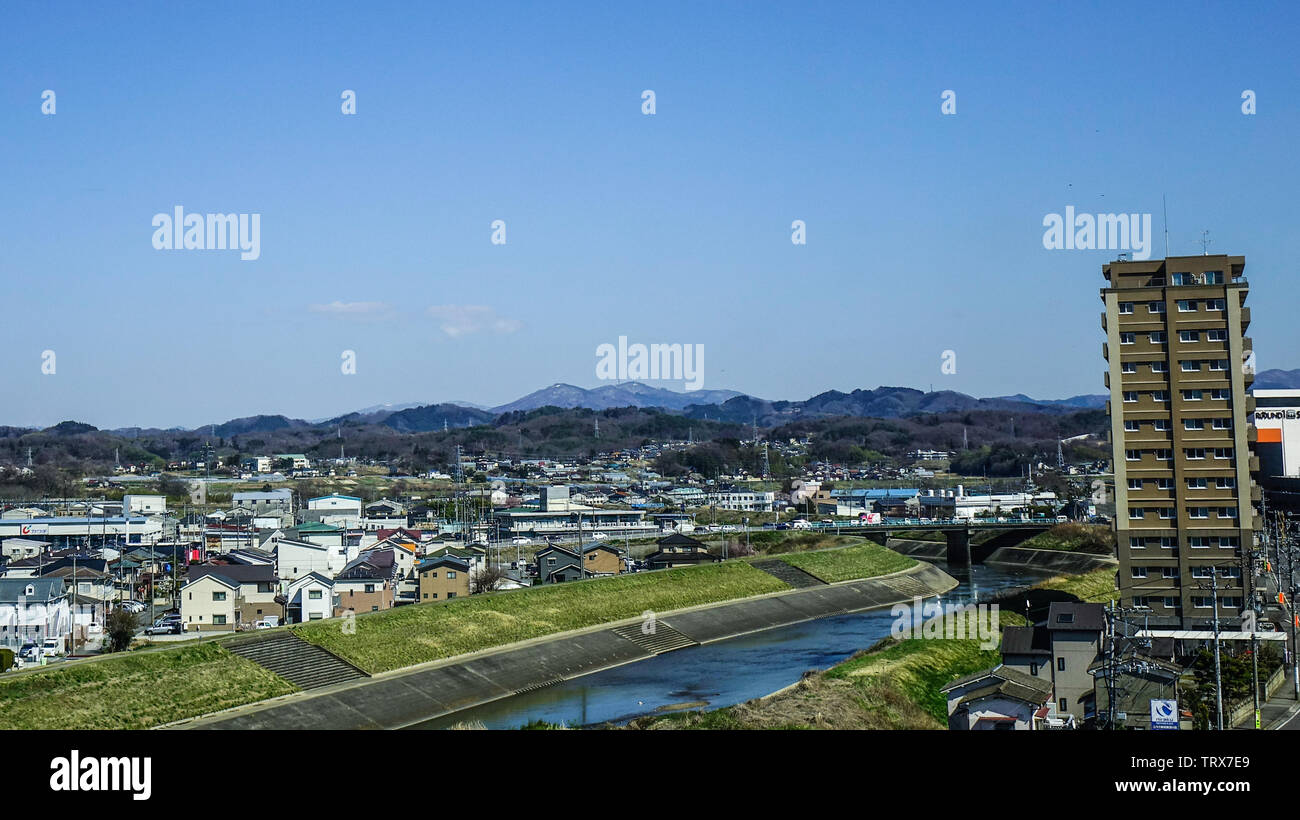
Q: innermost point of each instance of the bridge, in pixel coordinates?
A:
(957, 532)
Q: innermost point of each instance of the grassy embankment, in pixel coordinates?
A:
(862, 560)
(135, 691)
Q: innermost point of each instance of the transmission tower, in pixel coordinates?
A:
(1060, 456)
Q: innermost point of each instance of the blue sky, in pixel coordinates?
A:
(924, 231)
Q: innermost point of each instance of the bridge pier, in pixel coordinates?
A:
(958, 547)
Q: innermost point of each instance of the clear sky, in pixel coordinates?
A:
(924, 230)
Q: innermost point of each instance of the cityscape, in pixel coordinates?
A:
(829, 434)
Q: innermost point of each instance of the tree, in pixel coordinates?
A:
(121, 629)
(486, 580)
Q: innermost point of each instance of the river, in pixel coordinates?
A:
(719, 674)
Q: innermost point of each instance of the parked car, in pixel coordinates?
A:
(520, 541)
(598, 536)
(166, 625)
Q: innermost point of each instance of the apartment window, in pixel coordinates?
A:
(1227, 512)
(1166, 512)
(1189, 336)
(1171, 602)
(1193, 424)
(1198, 512)
(218, 620)
(1191, 395)
(218, 596)
(1130, 396)
(1140, 600)
(1168, 542)
(1132, 426)
(1138, 572)
(1231, 602)
(1155, 307)
(1201, 572)
(1159, 367)
(370, 587)
(1229, 541)
(1157, 337)
(451, 595)
(1226, 483)
(1221, 424)
(1213, 277)
(313, 595)
(1127, 338)
(1164, 455)
(1196, 484)
(1137, 543)
(1164, 483)
(431, 595)
(1160, 425)
(1135, 483)
(1169, 573)
(1216, 335)
(1194, 454)
(432, 573)
(1159, 396)
(1202, 602)
(1221, 395)
(1198, 542)
(1136, 513)
(1128, 367)
(1216, 304)
(1125, 308)
(1132, 455)
(1186, 305)
(1218, 364)
(1223, 452)
(451, 575)
(314, 616)
(1190, 365)
(1180, 278)
(1060, 667)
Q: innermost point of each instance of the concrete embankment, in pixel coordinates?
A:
(411, 696)
(1057, 561)
(1054, 561)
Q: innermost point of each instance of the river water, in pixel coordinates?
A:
(719, 674)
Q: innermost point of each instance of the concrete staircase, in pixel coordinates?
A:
(663, 639)
(305, 665)
(793, 576)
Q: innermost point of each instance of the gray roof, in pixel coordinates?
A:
(1004, 681)
(1026, 640)
(44, 589)
(239, 573)
(1076, 616)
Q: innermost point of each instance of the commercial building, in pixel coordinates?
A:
(1179, 368)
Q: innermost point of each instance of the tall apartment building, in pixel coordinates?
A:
(1179, 368)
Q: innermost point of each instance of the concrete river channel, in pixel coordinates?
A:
(719, 674)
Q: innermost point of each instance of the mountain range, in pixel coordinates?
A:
(715, 405)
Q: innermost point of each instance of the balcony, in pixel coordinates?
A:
(1105, 351)
(1245, 319)
(1107, 379)
(1103, 321)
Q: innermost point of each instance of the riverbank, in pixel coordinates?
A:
(893, 685)
(411, 697)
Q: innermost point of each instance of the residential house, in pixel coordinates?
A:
(1002, 699)
(32, 609)
(309, 598)
(226, 597)
(556, 564)
(443, 578)
(679, 550)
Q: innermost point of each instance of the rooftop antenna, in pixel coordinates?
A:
(1205, 243)
(1164, 206)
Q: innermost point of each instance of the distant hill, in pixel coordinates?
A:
(1088, 401)
(432, 418)
(882, 402)
(605, 397)
(1277, 380)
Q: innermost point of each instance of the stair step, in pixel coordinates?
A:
(663, 639)
(305, 665)
(793, 576)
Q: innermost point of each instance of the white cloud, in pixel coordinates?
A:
(462, 320)
(337, 308)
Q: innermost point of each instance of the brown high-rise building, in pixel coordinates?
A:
(1179, 368)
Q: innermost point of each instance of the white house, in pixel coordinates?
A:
(145, 504)
(337, 510)
(32, 609)
(310, 598)
(294, 559)
(16, 549)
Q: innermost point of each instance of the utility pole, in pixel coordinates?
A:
(1218, 672)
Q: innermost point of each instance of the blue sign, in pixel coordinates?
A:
(1164, 714)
